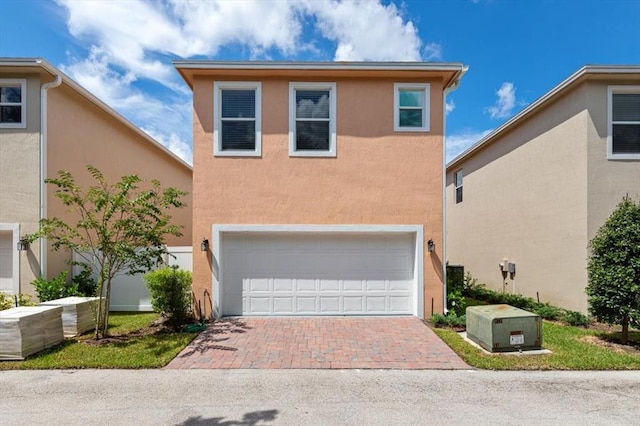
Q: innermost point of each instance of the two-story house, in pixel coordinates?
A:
(48, 122)
(318, 186)
(534, 192)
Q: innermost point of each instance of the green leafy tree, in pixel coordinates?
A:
(119, 228)
(614, 268)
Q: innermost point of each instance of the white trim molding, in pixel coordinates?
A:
(611, 90)
(416, 230)
(218, 87)
(14, 228)
(16, 82)
(425, 89)
(331, 88)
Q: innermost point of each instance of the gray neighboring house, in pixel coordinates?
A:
(534, 192)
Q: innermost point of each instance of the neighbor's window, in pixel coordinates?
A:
(312, 119)
(13, 108)
(457, 177)
(411, 107)
(237, 119)
(623, 141)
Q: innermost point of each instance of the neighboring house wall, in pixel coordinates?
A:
(81, 133)
(377, 177)
(608, 180)
(537, 189)
(19, 178)
(524, 199)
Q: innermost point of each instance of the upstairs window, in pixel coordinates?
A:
(13, 108)
(312, 119)
(411, 107)
(623, 140)
(457, 178)
(237, 124)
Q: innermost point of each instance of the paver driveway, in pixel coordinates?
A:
(318, 342)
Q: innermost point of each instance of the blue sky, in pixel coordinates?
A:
(516, 50)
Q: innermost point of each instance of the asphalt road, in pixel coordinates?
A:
(318, 397)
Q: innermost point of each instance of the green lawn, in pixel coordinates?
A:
(569, 352)
(144, 351)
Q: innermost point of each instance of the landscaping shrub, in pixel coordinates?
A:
(548, 312)
(56, 288)
(576, 319)
(455, 302)
(170, 290)
(6, 301)
(85, 283)
(451, 320)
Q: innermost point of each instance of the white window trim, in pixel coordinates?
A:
(218, 86)
(14, 228)
(23, 119)
(331, 87)
(426, 110)
(611, 90)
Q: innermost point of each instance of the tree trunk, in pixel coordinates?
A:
(100, 310)
(625, 330)
(107, 303)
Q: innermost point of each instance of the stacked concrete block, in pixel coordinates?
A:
(27, 330)
(77, 314)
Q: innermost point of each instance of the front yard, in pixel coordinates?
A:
(134, 342)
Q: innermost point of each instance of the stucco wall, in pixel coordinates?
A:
(609, 180)
(525, 199)
(19, 179)
(377, 177)
(80, 133)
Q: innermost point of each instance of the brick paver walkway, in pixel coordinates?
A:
(318, 342)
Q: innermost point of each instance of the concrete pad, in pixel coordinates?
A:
(517, 353)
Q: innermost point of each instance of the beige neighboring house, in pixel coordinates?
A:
(318, 186)
(48, 122)
(534, 192)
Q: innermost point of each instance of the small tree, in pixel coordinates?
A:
(120, 227)
(614, 268)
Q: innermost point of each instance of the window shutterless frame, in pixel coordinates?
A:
(411, 107)
(312, 119)
(623, 122)
(237, 122)
(13, 103)
(457, 181)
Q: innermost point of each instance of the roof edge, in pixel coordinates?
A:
(534, 106)
(317, 65)
(44, 64)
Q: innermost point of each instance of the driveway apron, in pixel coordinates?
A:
(318, 342)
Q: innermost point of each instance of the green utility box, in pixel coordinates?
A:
(504, 328)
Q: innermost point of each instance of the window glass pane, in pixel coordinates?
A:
(11, 95)
(312, 104)
(626, 138)
(410, 118)
(458, 195)
(312, 135)
(626, 107)
(10, 114)
(411, 98)
(458, 178)
(238, 104)
(238, 135)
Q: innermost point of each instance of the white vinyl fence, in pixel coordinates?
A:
(128, 292)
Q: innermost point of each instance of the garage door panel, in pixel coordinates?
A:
(311, 274)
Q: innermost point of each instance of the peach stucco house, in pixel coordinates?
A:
(318, 187)
(534, 192)
(48, 122)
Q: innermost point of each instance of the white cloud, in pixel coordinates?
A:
(174, 142)
(450, 106)
(432, 52)
(505, 103)
(457, 143)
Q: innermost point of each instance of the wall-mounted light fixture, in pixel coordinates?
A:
(431, 246)
(23, 243)
(204, 245)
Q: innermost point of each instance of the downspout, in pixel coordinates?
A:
(43, 165)
(453, 85)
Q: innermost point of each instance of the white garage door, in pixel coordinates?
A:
(317, 274)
